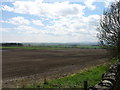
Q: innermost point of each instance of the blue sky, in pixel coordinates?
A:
(57, 21)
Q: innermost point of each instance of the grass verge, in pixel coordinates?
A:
(92, 75)
(114, 60)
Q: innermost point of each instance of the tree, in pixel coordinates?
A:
(109, 28)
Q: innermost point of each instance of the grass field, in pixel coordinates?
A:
(31, 47)
(92, 75)
(50, 47)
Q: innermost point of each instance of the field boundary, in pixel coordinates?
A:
(110, 79)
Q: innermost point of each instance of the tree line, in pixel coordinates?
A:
(12, 44)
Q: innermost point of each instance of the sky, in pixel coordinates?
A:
(51, 21)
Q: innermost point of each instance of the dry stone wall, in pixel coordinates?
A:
(110, 79)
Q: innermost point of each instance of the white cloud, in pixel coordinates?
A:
(89, 4)
(38, 22)
(68, 22)
(70, 29)
(45, 9)
(43, 37)
(7, 8)
(108, 2)
(2, 21)
(23, 5)
(22, 29)
(17, 21)
(15, 0)
(5, 29)
(76, 28)
(75, 25)
(27, 29)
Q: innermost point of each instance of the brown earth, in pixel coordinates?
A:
(29, 65)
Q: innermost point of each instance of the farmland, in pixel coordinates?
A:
(50, 47)
(29, 65)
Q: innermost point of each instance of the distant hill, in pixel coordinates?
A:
(47, 44)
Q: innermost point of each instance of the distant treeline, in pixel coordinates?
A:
(12, 44)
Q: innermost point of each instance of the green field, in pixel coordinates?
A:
(31, 47)
(52, 47)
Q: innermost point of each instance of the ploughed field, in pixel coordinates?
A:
(18, 63)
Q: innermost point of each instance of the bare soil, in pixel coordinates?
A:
(22, 66)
